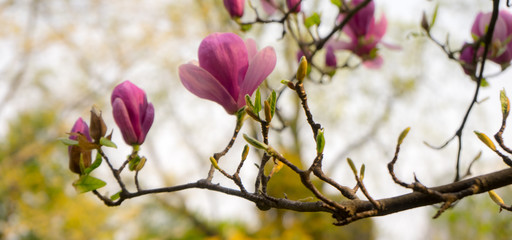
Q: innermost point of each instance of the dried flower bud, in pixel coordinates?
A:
(98, 128)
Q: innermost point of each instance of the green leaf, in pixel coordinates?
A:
(88, 183)
(134, 162)
(95, 164)
(248, 101)
(67, 141)
(312, 20)
(336, 2)
(257, 102)
(115, 196)
(505, 103)
(434, 16)
(361, 172)
(272, 101)
(403, 135)
(320, 141)
(352, 166)
(484, 83)
(245, 27)
(255, 143)
(107, 143)
(486, 140)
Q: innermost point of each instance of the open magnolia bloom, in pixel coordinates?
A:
(500, 50)
(364, 33)
(228, 69)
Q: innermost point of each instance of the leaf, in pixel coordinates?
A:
(95, 164)
(257, 102)
(320, 141)
(214, 163)
(484, 83)
(403, 135)
(486, 140)
(312, 20)
(352, 166)
(277, 166)
(134, 162)
(505, 103)
(255, 143)
(115, 196)
(245, 27)
(336, 2)
(496, 198)
(68, 142)
(434, 16)
(88, 183)
(107, 143)
(272, 101)
(248, 101)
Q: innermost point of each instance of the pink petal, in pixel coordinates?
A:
(260, 67)
(252, 49)
(204, 85)
(147, 121)
(269, 6)
(374, 63)
(122, 119)
(224, 56)
(378, 29)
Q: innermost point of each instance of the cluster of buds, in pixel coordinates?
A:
(133, 115)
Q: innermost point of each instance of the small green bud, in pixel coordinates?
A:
(302, 71)
(255, 143)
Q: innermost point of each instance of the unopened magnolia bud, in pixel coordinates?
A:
(98, 128)
(268, 112)
(214, 163)
(245, 152)
(302, 71)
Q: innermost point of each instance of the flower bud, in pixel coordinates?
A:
(235, 7)
(98, 128)
(293, 5)
(132, 112)
(303, 69)
(79, 157)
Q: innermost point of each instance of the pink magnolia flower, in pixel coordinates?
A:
(330, 57)
(76, 152)
(293, 5)
(466, 59)
(235, 7)
(132, 112)
(500, 50)
(228, 69)
(269, 6)
(364, 33)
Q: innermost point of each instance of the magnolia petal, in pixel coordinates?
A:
(224, 56)
(378, 29)
(252, 49)
(201, 83)
(260, 67)
(269, 6)
(374, 63)
(122, 119)
(147, 121)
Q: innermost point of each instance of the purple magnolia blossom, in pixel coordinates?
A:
(500, 50)
(364, 33)
(74, 152)
(235, 7)
(466, 59)
(132, 112)
(228, 69)
(330, 57)
(269, 6)
(293, 5)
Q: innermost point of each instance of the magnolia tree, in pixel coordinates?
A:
(230, 71)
